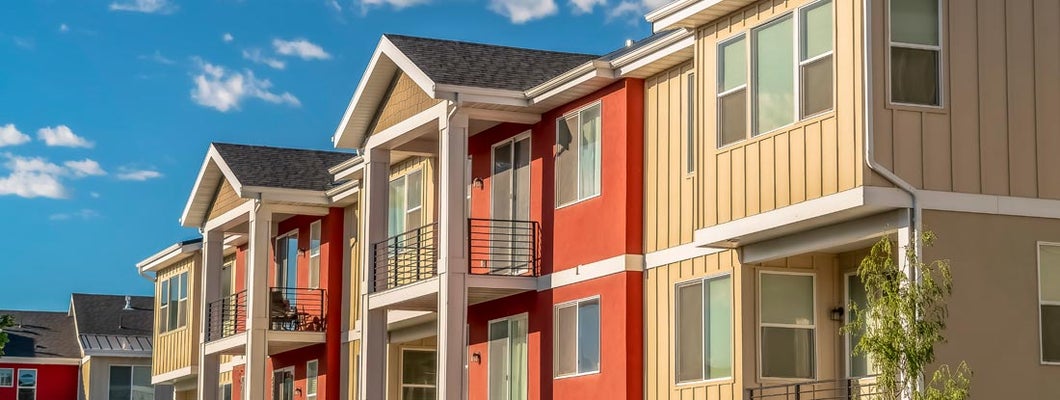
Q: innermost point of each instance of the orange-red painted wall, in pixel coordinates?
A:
(53, 381)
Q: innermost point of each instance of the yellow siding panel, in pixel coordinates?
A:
(669, 196)
(178, 348)
(404, 99)
(225, 200)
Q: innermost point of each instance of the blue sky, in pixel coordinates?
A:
(107, 108)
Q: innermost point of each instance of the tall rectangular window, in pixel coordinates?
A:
(577, 338)
(787, 325)
(226, 391)
(27, 384)
(405, 211)
(173, 304)
(815, 58)
(858, 365)
(7, 377)
(163, 306)
(1049, 300)
(703, 338)
(577, 155)
(419, 374)
(690, 129)
(916, 52)
(314, 254)
(732, 91)
(311, 372)
(130, 383)
(773, 75)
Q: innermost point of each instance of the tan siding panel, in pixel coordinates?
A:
(1019, 49)
(907, 146)
(964, 98)
(225, 200)
(403, 100)
(1047, 95)
(669, 196)
(992, 97)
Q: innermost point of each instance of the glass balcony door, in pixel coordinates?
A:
(510, 201)
(507, 359)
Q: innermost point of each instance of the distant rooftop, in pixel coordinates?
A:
(278, 167)
(106, 326)
(41, 334)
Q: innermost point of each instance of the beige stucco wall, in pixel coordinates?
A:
(97, 378)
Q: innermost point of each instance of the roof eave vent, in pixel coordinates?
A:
(128, 303)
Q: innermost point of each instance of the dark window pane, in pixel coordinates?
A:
(787, 353)
(565, 340)
(27, 394)
(689, 333)
(120, 383)
(817, 86)
(733, 117)
(1051, 333)
(566, 161)
(418, 393)
(418, 367)
(589, 336)
(914, 76)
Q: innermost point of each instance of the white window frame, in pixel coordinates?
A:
(690, 119)
(11, 372)
(1041, 327)
(276, 259)
(132, 375)
(36, 381)
(221, 389)
(163, 305)
(745, 86)
(493, 161)
(315, 378)
(577, 346)
(732, 329)
(577, 153)
(800, 63)
(166, 288)
(405, 197)
(401, 371)
(813, 327)
(941, 69)
(314, 254)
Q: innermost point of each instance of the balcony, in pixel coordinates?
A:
(503, 260)
(841, 389)
(297, 318)
(297, 310)
(226, 316)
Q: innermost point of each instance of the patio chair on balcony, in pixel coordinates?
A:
(282, 316)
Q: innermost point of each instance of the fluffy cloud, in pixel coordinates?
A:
(398, 4)
(586, 6)
(256, 56)
(144, 6)
(10, 136)
(128, 174)
(227, 37)
(300, 48)
(84, 214)
(85, 167)
(223, 90)
(32, 177)
(62, 136)
(521, 11)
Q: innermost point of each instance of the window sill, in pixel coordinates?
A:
(916, 108)
(704, 382)
(576, 202)
(597, 372)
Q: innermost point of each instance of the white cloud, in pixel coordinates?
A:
(586, 6)
(128, 174)
(158, 58)
(521, 11)
(64, 28)
(636, 9)
(144, 6)
(95, 195)
(256, 56)
(301, 48)
(227, 37)
(397, 4)
(62, 136)
(86, 167)
(217, 88)
(334, 4)
(32, 177)
(84, 214)
(10, 136)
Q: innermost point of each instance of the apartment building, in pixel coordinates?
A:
(817, 127)
(41, 359)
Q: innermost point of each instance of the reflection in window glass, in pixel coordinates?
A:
(787, 325)
(577, 155)
(774, 79)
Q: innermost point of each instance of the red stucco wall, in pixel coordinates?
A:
(58, 382)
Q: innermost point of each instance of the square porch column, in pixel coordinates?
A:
(257, 282)
(453, 259)
(372, 371)
(210, 284)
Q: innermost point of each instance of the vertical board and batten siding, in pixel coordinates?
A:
(811, 158)
(998, 130)
(178, 348)
(668, 195)
(224, 200)
(403, 99)
(659, 323)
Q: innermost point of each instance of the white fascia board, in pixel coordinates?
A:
(605, 73)
(229, 217)
(118, 353)
(645, 59)
(565, 77)
(282, 195)
(675, 36)
(670, 17)
(396, 135)
(211, 156)
(40, 360)
(354, 172)
(676, 254)
(667, 9)
(358, 94)
(346, 165)
(590, 271)
(831, 236)
(407, 66)
(501, 116)
(174, 375)
(167, 257)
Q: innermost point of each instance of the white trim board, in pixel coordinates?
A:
(590, 271)
(175, 375)
(676, 254)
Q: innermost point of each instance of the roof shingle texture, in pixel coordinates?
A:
(41, 334)
(277, 167)
(100, 314)
(485, 66)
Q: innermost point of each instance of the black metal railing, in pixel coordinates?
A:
(226, 316)
(405, 258)
(297, 309)
(502, 247)
(840, 389)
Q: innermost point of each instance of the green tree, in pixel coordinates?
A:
(6, 321)
(902, 322)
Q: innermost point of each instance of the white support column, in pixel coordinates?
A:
(210, 283)
(372, 371)
(257, 275)
(452, 262)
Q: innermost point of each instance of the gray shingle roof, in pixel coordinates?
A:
(41, 334)
(485, 66)
(103, 314)
(277, 167)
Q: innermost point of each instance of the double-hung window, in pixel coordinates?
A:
(7, 377)
(787, 325)
(916, 52)
(27, 384)
(577, 338)
(311, 374)
(314, 254)
(703, 338)
(419, 374)
(791, 73)
(406, 203)
(173, 305)
(577, 153)
(131, 383)
(1049, 300)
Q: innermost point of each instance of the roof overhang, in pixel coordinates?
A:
(169, 256)
(213, 170)
(40, 360)
(690, 14)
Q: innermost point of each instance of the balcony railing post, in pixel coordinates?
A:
(798, 391)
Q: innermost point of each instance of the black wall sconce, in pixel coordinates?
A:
(477, 183)
(476, 358)
(837, 314)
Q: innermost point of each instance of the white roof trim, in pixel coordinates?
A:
(40, 360)
(168, 256)
(675, 14)
(211, 156)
